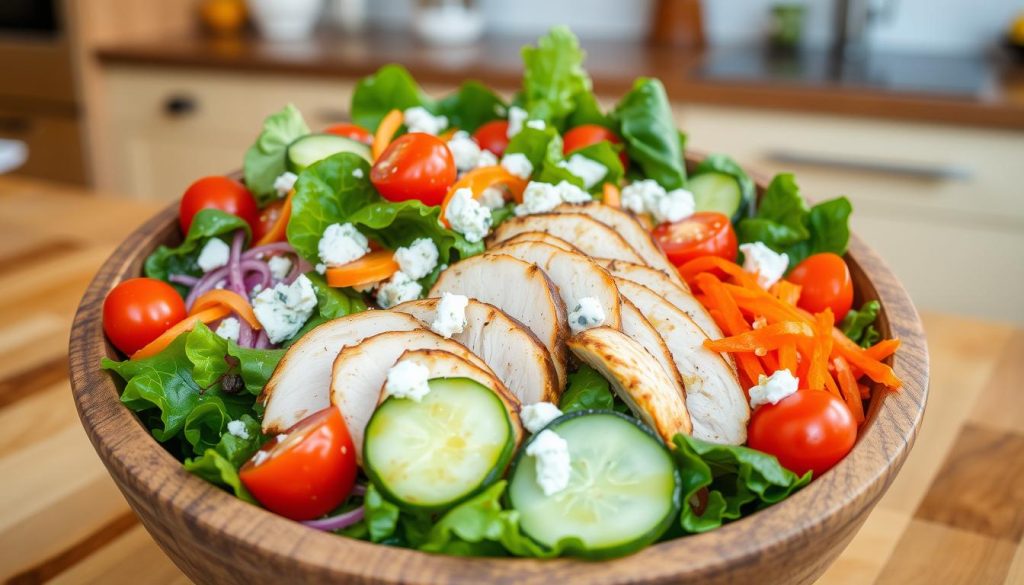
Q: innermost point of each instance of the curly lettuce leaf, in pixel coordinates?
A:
(543, 148)
(645, 123)
(553, 76)
(266, 158)
(859, 325)
(379, 515)
(208, 223)
(214, 357)
(219, 464)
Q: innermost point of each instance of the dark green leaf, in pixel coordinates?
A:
(585, 390)
(606, 154)
(219, 464)
(588, 111)
(390, 88)
(471, 106)
(266, 158)
(206, 224)
(645, 123)
(381, 516)
(859, 326)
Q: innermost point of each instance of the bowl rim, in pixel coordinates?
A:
(837, 499)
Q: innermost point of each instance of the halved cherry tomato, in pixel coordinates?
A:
(588, 134)
(493, 136)
(825, 283)
(308, 472)
(221, 193)
(810, 430)
(414, 166)
(269, 216)
(705, 233)
(139, 310)
(353, 131)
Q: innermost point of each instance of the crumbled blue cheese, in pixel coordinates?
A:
(536, 416)
(585, 168)
(213, 255)
(229, 328)
(587, 313)
(516, 117)
(418, 119)
(517, 164)
(279, 266)
(341, 244)
(768, 264)
(536, 124)
(572, 194)
(450, 317)
(676, 205)
(320, 268)
(466, 216)
(284, 309)
(285, 182)
(772, 389)
(408, 380)
(492, 198)
(465, 151)
(237, 428)
(647, 196)
(553, 463)
(543, 197)
(418, 259)
(398, 289)
(486, 159)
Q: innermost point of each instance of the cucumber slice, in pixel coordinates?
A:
(312, 148)
(623, 493)
(716, 192)
(432, 454)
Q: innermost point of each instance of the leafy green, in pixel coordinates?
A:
(380, 515)
(206, 224)
(553, 76)
(471, 106)
(586, 389)
(606, 154)
(220, 464)
(266, 158)
(738, 480)
(644, 121)
(399, 224)
(720, 163)
(543, 148)
(859, 325)
(588, 111)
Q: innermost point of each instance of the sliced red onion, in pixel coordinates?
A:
(245, 334)
(235, 282)
(260, 268)
(262, 341)
(184, 279)
(206, 283)
(337, 522)
(359, 490)
(267, 250)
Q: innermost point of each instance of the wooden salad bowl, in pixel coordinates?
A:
(215, 538)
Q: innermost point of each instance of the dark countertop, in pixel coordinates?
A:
(978, 92)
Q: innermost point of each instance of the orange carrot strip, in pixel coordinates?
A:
(160, 343)
(766, 338)
(883, 349)
(865, 391)
(858, 358)
(386, 132)
(447, 134)
(480, 179)
(787, 357)
(371, 268)
(233, 301)
(786, 292)
(277, 232)
(770, 361)
(712, 263)
(612, 195)
(818, 369)
(848, 388)
(732, 319)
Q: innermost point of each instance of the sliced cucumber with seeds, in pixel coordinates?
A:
(623, 491)
(306, 150)
(716, 192)
(431, 454)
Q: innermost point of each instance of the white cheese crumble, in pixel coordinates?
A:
(539, 198)
(341, 244)
(465, 151)
(572, 194)
(466, 216)
(536, 124)
(320, 268)
(536, 416)
(486, 159)
(516, 117)
(772, 389)
(358, 173)
(768, 264)
(647, 196)
(588, 313)
(418, 259)
(407, 379)
(279, 266)
(285, 182)
(229, 328)
(450, 317)
(585, 168)
(492, 198)
(517, 164)
(237, 428)
(213, 255)
(418, 119)
(677, 204)
(553, 464)
(398, 289)
(284, 309)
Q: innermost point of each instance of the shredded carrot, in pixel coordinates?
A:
(371, 268)
(278, 232)
(865, 391)
(766, 338)
(848, 388)
(712, 263)
(859, 358)
(817, 370)
(167, 337)
(480, 179)
(786, 292)
(883, 349)
(233, 301)
(733, 321)
(770, 361)
(386, 132)
(612, 195)
(787, 357)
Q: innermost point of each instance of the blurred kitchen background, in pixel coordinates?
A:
(912, 108)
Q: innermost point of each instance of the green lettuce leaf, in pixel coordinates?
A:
(208, 223)
(859, 325)
(380, 515)
(720, 163)
(219, 464)
(543, 148)
(645, 122)
(471, 106)
(553, 76)
(586, 389)
(588, 111)
(607, 154)
(266, 158)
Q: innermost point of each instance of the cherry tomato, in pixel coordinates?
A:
(221, 193)
(809, 430)
(138, 310)
(268, 217)
(307, 473)
(353, 131)
(826, 282)
(705, 233)
(493, 136)
(588, 134)
(414, 166)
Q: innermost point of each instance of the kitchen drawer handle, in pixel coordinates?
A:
(924, 171)
(180, 105)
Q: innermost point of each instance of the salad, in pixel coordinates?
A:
(478, 327)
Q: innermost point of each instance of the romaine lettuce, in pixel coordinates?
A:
(266, 158)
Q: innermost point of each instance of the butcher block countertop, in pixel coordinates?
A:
(954, 515)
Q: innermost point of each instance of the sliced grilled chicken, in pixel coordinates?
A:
(511, 350)
(576, 276)
(301, 383)
(444, 364)
(631, 230)
(592, 237)
(635, 325)
(678, 295)
(637, 378)
(359, 372)
(539, 237)
(518, 288)
(714, 397)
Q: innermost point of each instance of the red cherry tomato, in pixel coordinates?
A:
(307, 473)
(493, 136)
(826, 282)
(588, 134)
(138, 310)
(414, 166)
(353, 131)
(268, 217)
(221, 193)
(810, 430)
(705, 233)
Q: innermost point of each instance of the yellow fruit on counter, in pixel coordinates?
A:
(223, 17)
(1017, 31)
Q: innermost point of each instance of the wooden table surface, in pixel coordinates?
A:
(954, 515)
